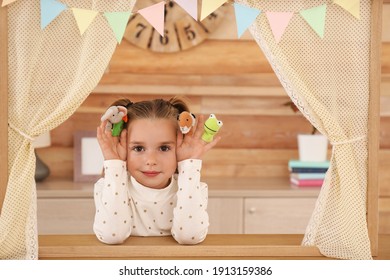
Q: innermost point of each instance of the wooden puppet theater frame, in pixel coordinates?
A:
(216, 246)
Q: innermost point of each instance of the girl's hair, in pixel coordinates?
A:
(153, 109)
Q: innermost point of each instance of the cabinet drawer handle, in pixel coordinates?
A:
(252, 210)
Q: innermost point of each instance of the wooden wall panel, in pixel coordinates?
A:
(229, 80)
(384, 215)
(211, 57)
(219, 162)
(385, 22)
(249, 122)
(59, 160)
(384, 174)
(239, 131)
(385, 58)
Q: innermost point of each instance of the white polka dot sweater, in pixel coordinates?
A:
(124, 207)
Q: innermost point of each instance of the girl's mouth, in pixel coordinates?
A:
(150, 173)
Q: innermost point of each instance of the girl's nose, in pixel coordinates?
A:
(150, 163)
(151, 159)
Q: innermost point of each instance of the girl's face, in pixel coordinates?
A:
(151, 158)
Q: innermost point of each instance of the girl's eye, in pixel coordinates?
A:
(138, 149)
(165, 148)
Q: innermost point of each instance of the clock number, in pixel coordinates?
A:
(141, 29)
(191, 35)
(181, 31)
(164, 40)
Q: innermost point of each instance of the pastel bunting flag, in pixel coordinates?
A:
(118, 22)
(84, 18)
(209, 6)
(50, 9)
(279, 22)
(315, 17)
(245, 16)
(352, 6)
(155, 16)
(7, 2)
(190, 6)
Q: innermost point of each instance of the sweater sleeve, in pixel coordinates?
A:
(190, 217)
(112, 223)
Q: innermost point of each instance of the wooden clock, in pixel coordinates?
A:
(181, 31)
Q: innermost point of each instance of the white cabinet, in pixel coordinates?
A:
(277, 215)
(241, 207)
(65, 215)
(225, 215)
(266, 215)
(75, 215)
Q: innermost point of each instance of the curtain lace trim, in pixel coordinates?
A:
(25, 135)
(349, 141)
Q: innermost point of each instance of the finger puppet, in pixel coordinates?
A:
(116, 117)
(186, 122)
(211, 127)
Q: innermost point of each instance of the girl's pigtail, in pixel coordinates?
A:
(122, 102)
(179, 104)
(129, 103)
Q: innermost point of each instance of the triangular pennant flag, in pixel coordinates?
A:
(352, 6)
(118, 22)
(50, 9)
(278, 22)
(7, 2)
(209, 6)
(244, 17)
(155, 16)
(190, 6)
(315, 17)
(84, 18)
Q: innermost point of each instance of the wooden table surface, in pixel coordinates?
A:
(216, 246)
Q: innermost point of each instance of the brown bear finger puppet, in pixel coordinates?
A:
(186, 122)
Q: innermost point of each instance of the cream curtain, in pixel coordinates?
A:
(328, 79)
(50, 73)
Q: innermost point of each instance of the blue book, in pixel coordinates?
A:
(308, 164)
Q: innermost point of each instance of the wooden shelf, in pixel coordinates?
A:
(218, 187)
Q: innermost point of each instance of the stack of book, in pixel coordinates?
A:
(307, 173)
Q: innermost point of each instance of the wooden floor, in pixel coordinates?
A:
(216, 246)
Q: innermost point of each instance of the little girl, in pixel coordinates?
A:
(141, 194)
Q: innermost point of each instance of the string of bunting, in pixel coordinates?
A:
(154, 14)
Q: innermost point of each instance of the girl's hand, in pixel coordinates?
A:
(112, 147)
(191, 146)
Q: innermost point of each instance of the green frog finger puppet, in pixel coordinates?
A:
(116, 117)
(211, 127)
